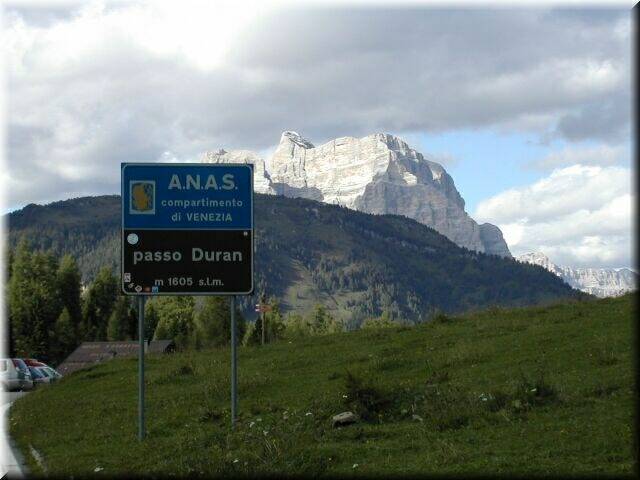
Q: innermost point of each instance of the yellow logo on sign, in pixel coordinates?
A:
(142, 197)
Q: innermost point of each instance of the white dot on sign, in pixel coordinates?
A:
(132, 238)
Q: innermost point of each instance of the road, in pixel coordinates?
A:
(14, 466)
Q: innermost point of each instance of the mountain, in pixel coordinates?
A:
(377, 174)
(601, 282)
(307, 252)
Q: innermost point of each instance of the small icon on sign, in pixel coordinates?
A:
(127, 277)
(147, 289)
(130, 285)
(132, 238)
(138, 288)
(142, 197)
(245, 234)
(154, 289)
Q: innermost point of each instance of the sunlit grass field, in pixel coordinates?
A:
(542, 390)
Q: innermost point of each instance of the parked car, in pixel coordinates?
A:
(52, 372)
(49, 373)
(32, 362)
(15, 374)
(9, 375)
(38, 376)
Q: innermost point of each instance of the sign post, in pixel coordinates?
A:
(234, 364)
(187, 229)
(262, 301)
(141, 430)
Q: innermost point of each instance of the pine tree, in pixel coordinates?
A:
(8, 265)
(132, 320)
(322, 322)
(151, 318)
(65, 335)
(99, 304)
(297, 326)
(34, 301)
(118, 325)
(69, 286)
(6, 293)
(213, 323)
(319, 319)
(176, 316)
(21, 328)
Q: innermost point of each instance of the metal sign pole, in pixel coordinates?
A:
(262, 303)
(141, 432)
(234, 364)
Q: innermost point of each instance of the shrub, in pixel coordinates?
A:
(364, 398)
(605, 390)
(536, 392)
(208, 414)
(439, 318)
(383, 321)
(605, 357)
(436, 376)
(184, 370)
(446, 408)
(523, 396)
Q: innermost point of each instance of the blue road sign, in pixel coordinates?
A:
(187, 229)
(187, 196)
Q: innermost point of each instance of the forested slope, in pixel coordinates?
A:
(307, 252)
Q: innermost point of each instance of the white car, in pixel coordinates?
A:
(51, 373)
(15, 375)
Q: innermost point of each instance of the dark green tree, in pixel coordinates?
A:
(34, 302)
(132, 320)
(69, 287)
(7, 278)
(99, 304)
(176, 320)
(65, 337)
(322, 322)
(213, 323)
(151, 318)
(297, 326)
(118, 326)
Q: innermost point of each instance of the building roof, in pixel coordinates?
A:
(161, 346)
(91, 353)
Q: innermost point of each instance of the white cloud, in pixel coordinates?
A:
(92, 86)
(579, 216)
(602, 155)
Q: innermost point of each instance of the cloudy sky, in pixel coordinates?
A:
(528, 109)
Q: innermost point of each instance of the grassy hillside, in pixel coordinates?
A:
(358, 265)
(541, 390)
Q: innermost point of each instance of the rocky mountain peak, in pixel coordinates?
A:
(294, 137)
(379, 174)
(261, 178)
(601, 282)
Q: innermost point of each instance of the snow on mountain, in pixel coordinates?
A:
(601, 282)
(377, 174)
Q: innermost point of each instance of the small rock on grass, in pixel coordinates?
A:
(344, 418)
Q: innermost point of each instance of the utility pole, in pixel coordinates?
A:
(263, 299)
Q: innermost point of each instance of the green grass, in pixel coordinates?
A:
(545, 390)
